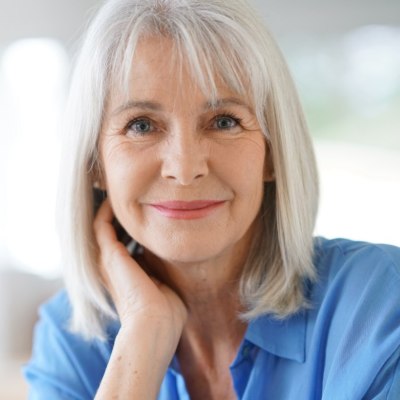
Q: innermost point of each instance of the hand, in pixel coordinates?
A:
(137, 296)
(152, 319)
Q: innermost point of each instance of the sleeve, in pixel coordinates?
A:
(63, 365)
(363, 305)
(388, 380)
(394, 388)
(386, 386)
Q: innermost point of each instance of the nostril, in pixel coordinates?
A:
(184, 173)
(185, 160)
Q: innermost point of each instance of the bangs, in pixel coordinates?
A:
(219, 43)
(214, 50)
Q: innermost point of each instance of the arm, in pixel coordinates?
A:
(136, 371)
(386, 385)
(152, 317)
(63, 365)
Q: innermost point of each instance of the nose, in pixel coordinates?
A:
(185, 157)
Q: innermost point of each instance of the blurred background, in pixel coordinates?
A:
(345, 58)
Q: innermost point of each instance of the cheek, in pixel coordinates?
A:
(128, 172)
(242, 165)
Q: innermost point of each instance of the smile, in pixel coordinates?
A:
(187, 209)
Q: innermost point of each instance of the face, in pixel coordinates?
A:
(184, 175)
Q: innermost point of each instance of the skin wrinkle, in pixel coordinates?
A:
(155, 106)
(118, 149)
(186, 156)
(240, 143)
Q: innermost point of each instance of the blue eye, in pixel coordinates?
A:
(140, 126)
(226, 122)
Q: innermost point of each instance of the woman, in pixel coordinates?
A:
(184, 117)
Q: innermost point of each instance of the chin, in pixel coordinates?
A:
(186, 251)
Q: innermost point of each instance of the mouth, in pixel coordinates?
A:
(187, 209)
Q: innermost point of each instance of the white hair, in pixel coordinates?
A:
(215, 38)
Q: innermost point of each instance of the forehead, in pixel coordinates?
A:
(159, 66)
(156, 67)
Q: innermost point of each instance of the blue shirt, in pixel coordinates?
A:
(345, 347)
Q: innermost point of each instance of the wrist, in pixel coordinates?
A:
(149, 336)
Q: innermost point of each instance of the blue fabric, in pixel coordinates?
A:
(346, 346)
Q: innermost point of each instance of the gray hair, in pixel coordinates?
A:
(216, 38)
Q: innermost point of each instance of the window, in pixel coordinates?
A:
(350, 86)
(32, 81)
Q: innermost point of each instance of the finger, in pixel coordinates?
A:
(155, 281)
(112, 251)
(103, 228)
(110, 248)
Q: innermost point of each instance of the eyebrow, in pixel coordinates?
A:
(229, 101)
(143, 105)
(154, 106)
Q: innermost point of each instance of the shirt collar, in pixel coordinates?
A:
(284, 338)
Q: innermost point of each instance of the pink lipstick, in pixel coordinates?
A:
(187, 209)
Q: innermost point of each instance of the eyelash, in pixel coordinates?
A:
(236, 119)
(130, 124)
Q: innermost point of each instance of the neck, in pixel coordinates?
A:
(203, 283)
(209, 288)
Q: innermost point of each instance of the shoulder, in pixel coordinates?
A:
(338, 257)
(63, 364)
(360, 277)
(356, 313)
(56, 311)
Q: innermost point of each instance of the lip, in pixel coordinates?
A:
(187, 209)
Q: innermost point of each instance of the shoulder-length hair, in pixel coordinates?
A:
(215, 38)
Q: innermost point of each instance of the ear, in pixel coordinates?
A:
(97, 176)
(99, 185)
(269, 171)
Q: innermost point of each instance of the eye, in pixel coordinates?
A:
(140, 126)
(226, 122)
